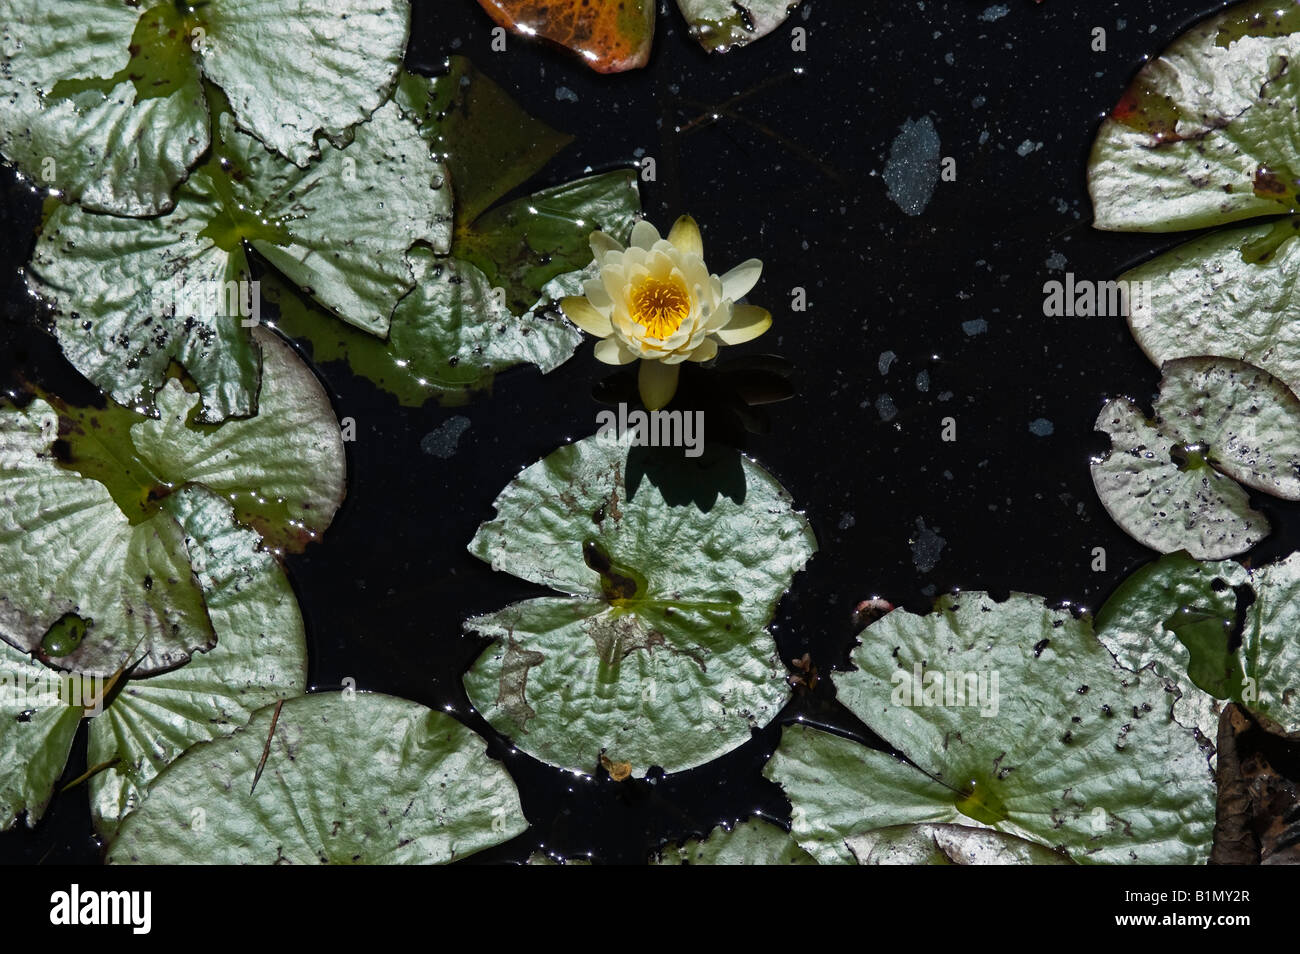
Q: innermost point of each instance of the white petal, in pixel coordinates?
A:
(644, 235)
(736, 284)
(705, 352)
(611, 351)
(596, 294)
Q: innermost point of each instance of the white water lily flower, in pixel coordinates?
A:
(657, 301)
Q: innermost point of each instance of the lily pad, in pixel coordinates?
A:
(103, 100)
(1214, 632)
(486, 306)
(37, 726)
(947, 845)
(1012, 717)
(657, 653)
(132, 296)
(260, 657)
(350, 778)
(607, 37)
(1205, 135)
(721, 25)
(750, 842)
(1172, 483)
(94, 523)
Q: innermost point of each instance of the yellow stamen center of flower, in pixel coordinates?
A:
(660, 306)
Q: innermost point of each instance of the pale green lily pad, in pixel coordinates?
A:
(68, 550)
(103, 101)
(1230, 294)
(1172, 483)
(284, 470)
(657, 654)
(37, 726)
(751, 842)
(947, 845)
(351, 778)
(1207, 134)
(260, 657)
(132, 296)
(1178, 616)
(721, 25)
(1050, 740)
(90, 530)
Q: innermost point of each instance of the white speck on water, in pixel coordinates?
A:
(886, 408)
(1056, 262)
(1028, 146)
(923, 381)
(565, 95)
(976, 326)
(995, 12)
(847, 520)
(1041, 427)
(442, 441)
(885, 361)
(912, 171)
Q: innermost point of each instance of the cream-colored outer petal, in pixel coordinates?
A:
(644, 235)
(747, 323)
(685, 236)
(657, 383)
(738, 282)
(611, 351)
(586, 316)
(707, 351)
(602, 245)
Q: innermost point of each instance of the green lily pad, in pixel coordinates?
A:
(37, 726)
(1180, 617)
(91, 532)
(260, 657)
(1173, 483)
(133, 296)
(284, 470)
(1206, 133)
(350, 778)
(947, 845)
(750, 842)
(1230, 293)
(721, 25)
(1013, 717)
(487, 305)
(657, 653)
(103, 100)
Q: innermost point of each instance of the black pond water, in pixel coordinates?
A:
(911, 319)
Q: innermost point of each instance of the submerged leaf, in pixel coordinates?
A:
(353, 778)
(657, 654)
(1171, 483)
(1013, 717)
(103, 100)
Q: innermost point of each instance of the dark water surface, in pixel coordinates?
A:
(912, 319)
